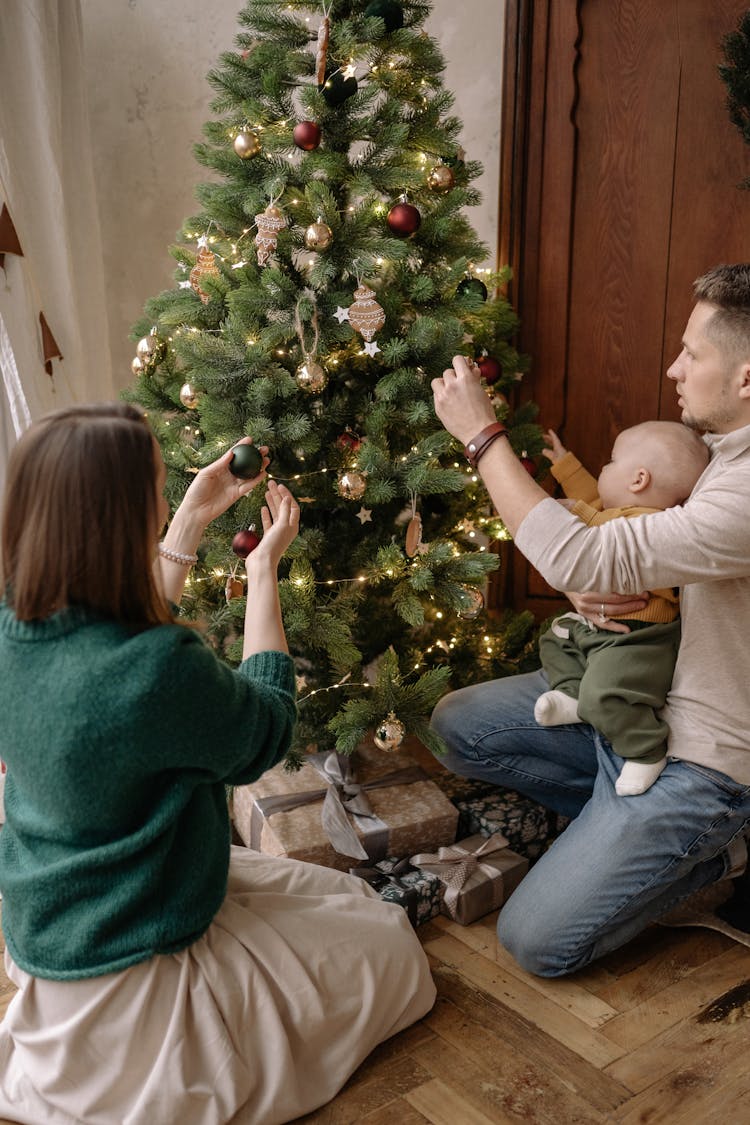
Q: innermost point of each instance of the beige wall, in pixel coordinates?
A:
(146, 65)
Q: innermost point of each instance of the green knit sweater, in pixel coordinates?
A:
(118, 746)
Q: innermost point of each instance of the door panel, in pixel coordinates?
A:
(619, 187)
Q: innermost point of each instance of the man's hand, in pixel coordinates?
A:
(555, 449)
(598, 607)
(461, 402)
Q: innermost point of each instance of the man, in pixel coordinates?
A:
(621, 864)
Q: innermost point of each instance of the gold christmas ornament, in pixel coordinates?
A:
(205, 266)
(390, 733)
(318, 236)
(137, 365)
(147, 347)
(366, 316)
(311, 377)
(473, 603)
(188, 396)
(270, 222)
(351, 484)
(441, 178)
(247, 144)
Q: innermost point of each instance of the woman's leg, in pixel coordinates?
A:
(491, 734)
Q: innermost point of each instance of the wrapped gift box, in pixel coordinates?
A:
(478, 875)
(457, 788)
(335, 810)
(418, 892)
(528, 827)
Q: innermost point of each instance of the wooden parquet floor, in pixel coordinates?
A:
(657, 1033)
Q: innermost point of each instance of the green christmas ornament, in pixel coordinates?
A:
(247, 461)
(472, 287)
(389, 11)
(336, 88)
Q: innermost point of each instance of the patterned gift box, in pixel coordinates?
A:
(457, 788)
(478, 874)
(528, 827)
(336, 809)
(418, 892)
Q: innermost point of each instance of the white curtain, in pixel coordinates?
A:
(47, 183)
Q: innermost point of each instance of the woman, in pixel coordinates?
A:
(160, 978)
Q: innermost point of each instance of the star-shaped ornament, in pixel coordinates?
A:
(364, 515)
(341, 314)
(185, 285)
(372, 347)
(202, 242)
(467, 526)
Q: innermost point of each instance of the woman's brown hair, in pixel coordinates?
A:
(79, 521)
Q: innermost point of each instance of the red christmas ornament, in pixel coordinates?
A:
(349, 441)
(489, 369)
(307, 135)
(404, 219)
(244, 542)
(528, 464)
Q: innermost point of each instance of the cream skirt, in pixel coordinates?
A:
(302, 972)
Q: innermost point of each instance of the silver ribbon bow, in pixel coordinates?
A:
(454, 866)
(342, 795)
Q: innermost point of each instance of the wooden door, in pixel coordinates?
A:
(619, 186)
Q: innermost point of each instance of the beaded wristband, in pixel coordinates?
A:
(176, 556)
(484, 439)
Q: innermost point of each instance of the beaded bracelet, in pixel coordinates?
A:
(176, 556)
(481, 443)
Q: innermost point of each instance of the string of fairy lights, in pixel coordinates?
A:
(230, 250)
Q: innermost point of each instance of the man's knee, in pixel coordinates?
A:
(533, 941)
(449, 722)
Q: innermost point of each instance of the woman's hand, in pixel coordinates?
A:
(555, 450)
(461, 402)
(598, 607)
(280, 519)
(215, 488)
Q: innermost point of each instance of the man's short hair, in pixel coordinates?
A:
(728, 288)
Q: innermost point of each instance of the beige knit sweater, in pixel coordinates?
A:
(579, 485)
(704, 548)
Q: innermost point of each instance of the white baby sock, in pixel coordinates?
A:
(555, 709)
(637, 777)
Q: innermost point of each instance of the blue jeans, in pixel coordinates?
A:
(622, 861)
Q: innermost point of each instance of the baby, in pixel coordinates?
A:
(619, 681)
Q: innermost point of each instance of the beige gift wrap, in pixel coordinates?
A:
(337, 808)
(479, 874)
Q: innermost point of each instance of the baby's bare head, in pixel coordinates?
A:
(673, 454)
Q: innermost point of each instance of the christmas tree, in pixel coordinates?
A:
(735, 73)
(326, 280)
